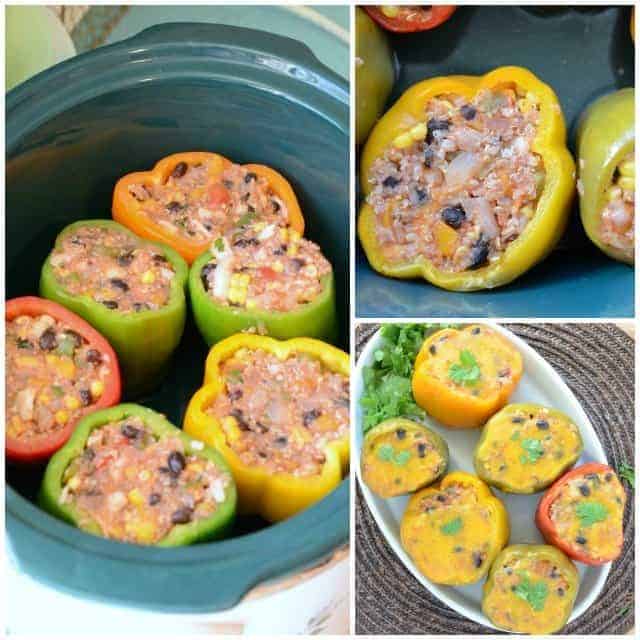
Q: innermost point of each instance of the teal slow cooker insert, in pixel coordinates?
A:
(71, 132)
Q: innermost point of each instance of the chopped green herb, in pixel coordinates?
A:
(590, 512)
(247, 219)
(515, 436)
(66, 346)
(533, 450)
(23, 344)
(235, 375)
(402, 457)
(219, 244)
(535, 593)
(626, 472)
(452, 527)
(58, 391)
(385, 452)
(467, 371)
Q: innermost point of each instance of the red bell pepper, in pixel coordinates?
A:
(422, 19)
(547, 527)
(41, 448)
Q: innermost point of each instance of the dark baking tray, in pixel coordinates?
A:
(582, 52)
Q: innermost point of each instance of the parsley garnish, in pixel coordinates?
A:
(626, 472)
(535, 593)
(387, 454)
(533, 450)
(235, 375)
(452, 527)
(23, 344)
(57, 390)
(247, 218)
(591, 512)
(466, 371)
(219, 244)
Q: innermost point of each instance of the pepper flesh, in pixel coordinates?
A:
(453, 404)
(553, 206)
(315, 319)
(436, 16)
(606, 135)
(548, 529)
(387, 476)
(42, 448)
(145, 340)
(274, 496)
(374, 73)
(423, 536)
(125, 207)
(216, 526)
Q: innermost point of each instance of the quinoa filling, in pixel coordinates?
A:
(617, 223)
(138, 487)
(53, 376)
(457, 189)
(114, 268)
(587, 513)
(273, 270)
(281, 414)
(200, 204)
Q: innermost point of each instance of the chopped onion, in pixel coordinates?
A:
(480, 210)
(462, 168)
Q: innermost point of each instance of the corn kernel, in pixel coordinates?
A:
(148, 277)
(96, 388)
(627, 183)
(61, 417)
(294, 235)
(284, 234)
(71, 402)
(74, 482)
(419, 132)
(27, 361)
(237, 295)
(527, 211)
(389, 10)
(251, 304)
(44, 398)
(277, 266)
(292, 250)
(627, 168)
(135, 497)
(403, 141)
(195, 467)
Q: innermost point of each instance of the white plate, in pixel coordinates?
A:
(540, 383)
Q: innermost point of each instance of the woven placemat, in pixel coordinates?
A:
(597, 362)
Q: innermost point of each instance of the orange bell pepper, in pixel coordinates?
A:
(462, 377)
(274, 496)
(127, 210)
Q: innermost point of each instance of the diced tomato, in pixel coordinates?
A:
(218, 195)
(267, 273)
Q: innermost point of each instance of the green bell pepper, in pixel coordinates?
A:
(375, 73)
(144, 340)
(606, 141)
(213, 527)
(215, 321)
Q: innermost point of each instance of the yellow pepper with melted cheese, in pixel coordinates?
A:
(463, 376)
(454, 531)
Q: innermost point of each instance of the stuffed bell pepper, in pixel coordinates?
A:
(129, 475)
(129, 289)
(467, 180)
(402, 18)
(57, 369)
(582, 514)
(607, 174)
(188, 200)
(279, 413)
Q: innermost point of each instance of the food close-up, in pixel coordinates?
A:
(511, 176)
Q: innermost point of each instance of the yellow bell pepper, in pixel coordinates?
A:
(553, 206)
(274, 496)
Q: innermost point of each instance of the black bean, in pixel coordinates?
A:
(140, 306)
(118, 283)
(250, 176)
(502, 467)
(85, 397)
(174, 207)
(262, 454)
(276, 205)
(517, 419)
(508, 570)
(24, 344)
(560, 591)
(297, 264)
(422, 448)
(581, 540)
(176, 462)
(89, 454)
(428, 157)
(129, 431)
(125, 258)
(48, 340)
(390, 182)
(158, 257)
(401, 434)
(441, 498)
(110, 304)
(280, 250)
(179, 170)
(93, 356)
(417, 196)
(310, 416)
(436, 125)
(608, 477)
(468, 112)
(458, 549)
(154, 499)
(453, 216)
(475, 331)
(432, 349)
(554, 573)
(281, 441)
(243, 425)
(479, 254)
(584, 490)
(182, 515)
(246, 242)
(234, 395)
(542, 424)
(261, 428)
(204, 274)
(594, 477)
(477, 559)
